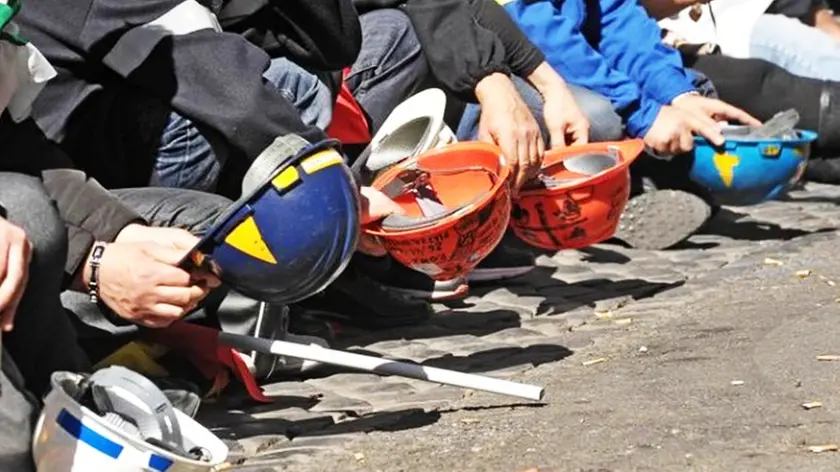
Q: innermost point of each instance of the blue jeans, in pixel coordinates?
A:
(390, 67)
(187, 159)
(796, 47)
(604, 122)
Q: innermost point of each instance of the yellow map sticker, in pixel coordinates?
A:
(725, 164)
(246, 237)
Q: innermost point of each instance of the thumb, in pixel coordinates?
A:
(710, 132)
(183, 239)
(376, 205)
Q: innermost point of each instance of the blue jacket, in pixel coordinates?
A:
(611, 47)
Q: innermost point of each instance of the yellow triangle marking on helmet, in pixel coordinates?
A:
(725, 164)
(320, 161)
(246, 237)
(286, 178)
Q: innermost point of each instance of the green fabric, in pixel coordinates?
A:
(7, 13)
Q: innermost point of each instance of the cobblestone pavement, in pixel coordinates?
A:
(503, 331)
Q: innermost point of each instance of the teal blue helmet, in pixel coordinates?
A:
(293, 230)
(746, 171)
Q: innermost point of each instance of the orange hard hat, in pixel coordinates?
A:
(576, 200)
(456, 204)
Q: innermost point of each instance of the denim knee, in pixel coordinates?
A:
(311, 97)
(604, 123)
(391, 65)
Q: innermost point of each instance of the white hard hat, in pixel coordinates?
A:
(118, 420)
(414, 127)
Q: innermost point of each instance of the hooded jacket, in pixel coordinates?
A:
(112, 56)
(464, 41)
(611, 47)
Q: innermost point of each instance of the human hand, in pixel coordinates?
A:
(671, 132)
(375, 206)
(141, 282)
(715, 110)
(507, 122)
(15, 255)
(175, 238)
(566, 123)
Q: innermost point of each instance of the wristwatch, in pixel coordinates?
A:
(93, 262)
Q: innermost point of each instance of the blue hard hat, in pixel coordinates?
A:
(293, 230)
(745, 171)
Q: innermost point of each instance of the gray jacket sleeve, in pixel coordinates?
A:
(89, 211)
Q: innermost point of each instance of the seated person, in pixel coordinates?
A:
(763, 89)
(801, 36)
(613, 48)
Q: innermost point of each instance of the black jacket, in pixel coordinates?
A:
(89, 211)
(113, 55)
(465, 40)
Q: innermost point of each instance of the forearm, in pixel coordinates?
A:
(546, 80)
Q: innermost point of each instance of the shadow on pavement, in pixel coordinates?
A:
(727, 223)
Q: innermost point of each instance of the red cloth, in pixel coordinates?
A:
(349, 124)
(201, 346)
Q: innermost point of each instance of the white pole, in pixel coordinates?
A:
(383, 366)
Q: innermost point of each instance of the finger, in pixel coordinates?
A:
(183, 239)
(376, 205)
(180, 296)
(166, 254)
(557, 135)
(169, 275)
(535, 155)
(725, 110)
(509, 149)
(17, 264)
(4, 257)
(708, 131)
(580, 136)
(7, 319)
(686, 142)
(484, 134)
(164, 310)
(521, 147)
(156, 321)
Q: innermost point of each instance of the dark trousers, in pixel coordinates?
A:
(764, 89)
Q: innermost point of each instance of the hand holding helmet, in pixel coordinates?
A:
(293, 230)
(375, 207)
(507, 122)
(141, 282)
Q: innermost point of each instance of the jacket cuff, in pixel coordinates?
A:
(81, 241)
(665, 87)
(640, 120)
